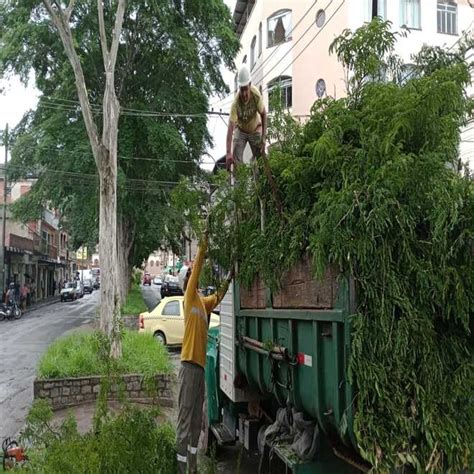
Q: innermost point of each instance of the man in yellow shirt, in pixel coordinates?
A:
(197, 311)
(247, 121)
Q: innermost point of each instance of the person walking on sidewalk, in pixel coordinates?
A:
(197, 311)
(247, 121)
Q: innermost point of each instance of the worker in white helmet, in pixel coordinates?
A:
(197, 311)
(247, 122)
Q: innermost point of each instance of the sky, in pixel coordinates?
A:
(16, 99)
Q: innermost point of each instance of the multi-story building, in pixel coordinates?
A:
(36, 253)
(286, 42)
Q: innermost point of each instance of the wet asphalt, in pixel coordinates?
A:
(22, 342)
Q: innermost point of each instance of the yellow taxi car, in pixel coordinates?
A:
(166, 321)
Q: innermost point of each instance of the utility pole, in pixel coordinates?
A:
(4, 217)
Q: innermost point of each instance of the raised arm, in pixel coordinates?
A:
(197, 266)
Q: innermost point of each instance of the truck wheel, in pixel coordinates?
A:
(160, 337)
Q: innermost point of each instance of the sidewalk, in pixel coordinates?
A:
(46, 302)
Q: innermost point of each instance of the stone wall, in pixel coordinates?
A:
(130, 321)
(68, 392)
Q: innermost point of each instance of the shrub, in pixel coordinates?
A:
(129, 442)
(79, 354)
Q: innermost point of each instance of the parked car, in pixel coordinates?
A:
(209, 290)
(69, 292)
(79, 289)
(157, 281)
(88, 286)
(170, 288)
(96, 283)
(147, 279)
(166, 321)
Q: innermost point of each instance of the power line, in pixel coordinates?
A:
(56, 103)
(296, 42)
(92, 176)
(307, 44)
(275, 49)
(123, 157)
(290, 33)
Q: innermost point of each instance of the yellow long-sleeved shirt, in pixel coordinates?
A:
(196, 309)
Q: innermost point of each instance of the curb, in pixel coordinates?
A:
(41, 304)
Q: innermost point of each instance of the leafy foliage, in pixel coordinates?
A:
(83, 354)
(133, 441)
(134, 304)
(373, 187)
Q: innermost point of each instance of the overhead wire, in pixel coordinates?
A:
(122, 157)
(307, 44)
(92, 176)
(272, 53)
(127, 111)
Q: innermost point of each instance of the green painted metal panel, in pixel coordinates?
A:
(321, 338)
(212, 375)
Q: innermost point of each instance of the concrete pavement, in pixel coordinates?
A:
(22, 343)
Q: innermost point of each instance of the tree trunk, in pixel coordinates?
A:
(124, 243)
(110, 299)
(105, 154)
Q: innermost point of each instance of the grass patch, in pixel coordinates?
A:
(78, 354)
(134, 304)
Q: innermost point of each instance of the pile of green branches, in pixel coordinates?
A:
(372, 183)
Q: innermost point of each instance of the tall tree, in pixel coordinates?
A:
(169, 59)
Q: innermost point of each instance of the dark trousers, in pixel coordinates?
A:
(190, 403)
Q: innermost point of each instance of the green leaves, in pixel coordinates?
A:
(369, 185)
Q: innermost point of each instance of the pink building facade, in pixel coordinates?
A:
(287, 42)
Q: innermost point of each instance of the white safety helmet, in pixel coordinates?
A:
(243, 78)
(182, 276)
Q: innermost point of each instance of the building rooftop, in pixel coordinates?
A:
(242, 12)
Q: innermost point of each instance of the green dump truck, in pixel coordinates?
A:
(283, 357)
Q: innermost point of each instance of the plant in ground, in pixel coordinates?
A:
(129, 442)
(134, 304)
(82, 354)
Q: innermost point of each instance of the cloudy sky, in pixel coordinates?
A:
(16, 99)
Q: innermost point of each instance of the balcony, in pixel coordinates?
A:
(45, 249)
(21, 243)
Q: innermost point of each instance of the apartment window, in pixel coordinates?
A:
(381, 9)
(284, 85)
(244, 61)
(410, 14)
(253, 45)
(152, 263)
(447, 16)
(260, 39)
(279, 28)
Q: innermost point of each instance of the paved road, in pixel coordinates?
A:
(22, 344)
(151, 295)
